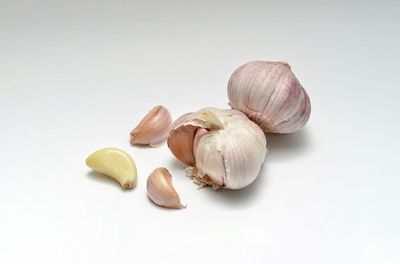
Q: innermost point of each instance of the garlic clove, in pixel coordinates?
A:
(231, 158)
(153, 129)
(199, 132)
(180, 140)
(270, 95)
(209, 158)
(161, 191)
(244, 152)
(115, 163)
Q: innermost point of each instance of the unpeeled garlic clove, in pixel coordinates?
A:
(270, 95)
(199, 132)
(180, 140)
(161, 191)
(153, 129)
(115, 163)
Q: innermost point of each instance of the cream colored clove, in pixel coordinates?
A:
(270, 95)
(153, 129)
(161, 191)
(115, 163)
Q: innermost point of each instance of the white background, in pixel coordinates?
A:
(76, 76)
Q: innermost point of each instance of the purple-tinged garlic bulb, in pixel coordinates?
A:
(270, 95)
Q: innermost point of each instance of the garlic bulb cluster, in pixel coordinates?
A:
(270, 95)
(224, 148)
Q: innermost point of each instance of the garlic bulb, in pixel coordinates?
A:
(270, 95)
(224, 148)
(154, 127)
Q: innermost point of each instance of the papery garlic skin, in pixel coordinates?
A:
(161, 191)
(153, 129)
(227, 149)
(270, 95)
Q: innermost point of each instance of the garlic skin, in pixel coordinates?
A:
(153, 129)
(161, 191)
(223, 147)
(116, 164)
(270, 95)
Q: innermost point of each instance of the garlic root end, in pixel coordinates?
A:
(202, 181)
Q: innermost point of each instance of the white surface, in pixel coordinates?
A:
(76, 76)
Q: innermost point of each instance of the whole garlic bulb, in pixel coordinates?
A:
(224, 148)
(270, 95)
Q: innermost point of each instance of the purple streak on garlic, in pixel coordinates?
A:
(270, 95)
(226, 148)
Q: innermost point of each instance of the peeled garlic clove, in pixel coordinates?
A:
(154, 127)
(161, 191)
(228, 149)
(270, 95)
(115, 163)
